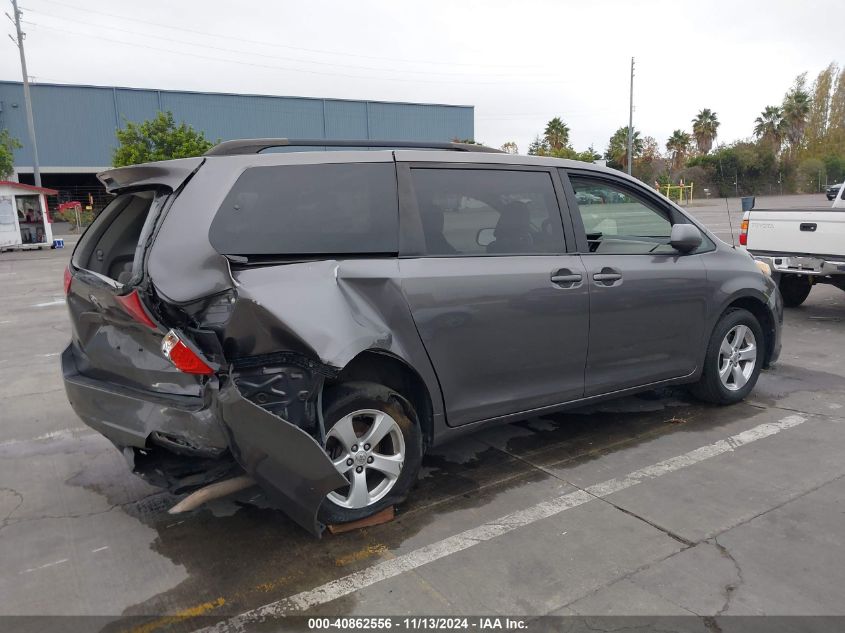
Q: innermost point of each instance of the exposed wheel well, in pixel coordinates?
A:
(387, 370)
(764, 317)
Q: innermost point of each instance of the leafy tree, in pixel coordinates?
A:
(834, 167)
(768, 127)
(8, 145)
(704, 127)
(651, 164)
(539, 147)
(510, 148)
(795, 110)
(556, 134)
(679, 145)
(651, 149)
(617, 148)
(157, 139)
(589, 155)
(810, 175)
(836, 118)
(565, 152)
(817, 120)
(743, 168)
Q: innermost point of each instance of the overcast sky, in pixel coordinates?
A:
(519, 62)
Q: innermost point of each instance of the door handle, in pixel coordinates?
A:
(566, 279)
(607, 277)
(809, 226)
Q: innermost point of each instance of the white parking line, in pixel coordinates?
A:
(469, 538)
(54, 302)
(52, 435)
(31, 569)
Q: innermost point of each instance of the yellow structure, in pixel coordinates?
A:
(681, 193)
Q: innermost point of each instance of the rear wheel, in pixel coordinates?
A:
(794, 289)
(733, 360)
(374, 443)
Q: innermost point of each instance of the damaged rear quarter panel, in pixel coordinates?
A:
(331, 310)
(327, 310)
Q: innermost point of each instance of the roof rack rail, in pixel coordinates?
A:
(257, 145)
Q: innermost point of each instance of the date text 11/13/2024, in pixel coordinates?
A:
(418, 624)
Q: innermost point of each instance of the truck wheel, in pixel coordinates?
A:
(374, 442)
(794, 289)
(733, 360)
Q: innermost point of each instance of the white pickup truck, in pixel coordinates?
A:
(802, 247)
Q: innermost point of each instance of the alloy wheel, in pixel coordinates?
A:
(366, 447)
(737, 357)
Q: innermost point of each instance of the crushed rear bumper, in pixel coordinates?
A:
(130, 417)
(291, 467)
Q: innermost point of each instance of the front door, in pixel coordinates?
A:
(647, 301)
(500, 306)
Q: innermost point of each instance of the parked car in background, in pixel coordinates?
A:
(832, 190)
(803, 247)
(587, 197)
(321, 319)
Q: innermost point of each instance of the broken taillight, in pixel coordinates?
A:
(132, 305)
(743, 233)
(182, 356)
(68, 279)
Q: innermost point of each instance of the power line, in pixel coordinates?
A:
(276, 44)
(277, 57)
(66, 32)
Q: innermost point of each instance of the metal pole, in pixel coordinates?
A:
(36, 171)
(631, 122)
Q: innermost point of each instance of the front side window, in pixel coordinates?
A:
(618, 222)
(331, 209)
(488, 212)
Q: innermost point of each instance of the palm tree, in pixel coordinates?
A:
(795, 110)
(556, 134)
(617, 147)
(704, 127)
(768, 127)
(679, 145)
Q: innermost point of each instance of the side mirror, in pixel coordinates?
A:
(485, 237)
(685, 238)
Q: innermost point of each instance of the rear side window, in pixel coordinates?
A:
(309, 210)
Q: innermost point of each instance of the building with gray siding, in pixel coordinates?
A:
(75, 125)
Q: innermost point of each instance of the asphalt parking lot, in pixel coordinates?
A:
(648, 506)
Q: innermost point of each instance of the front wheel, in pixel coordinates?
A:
(733, 360)
(373, 441)
(794, 289)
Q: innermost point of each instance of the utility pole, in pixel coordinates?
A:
(30, 123)
(631, 122)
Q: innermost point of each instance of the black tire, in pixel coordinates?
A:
(340, 401)
(709, 388)
(794, 289)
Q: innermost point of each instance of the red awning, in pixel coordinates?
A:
(30, 188)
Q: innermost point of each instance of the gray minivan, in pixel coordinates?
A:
(319, 319)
